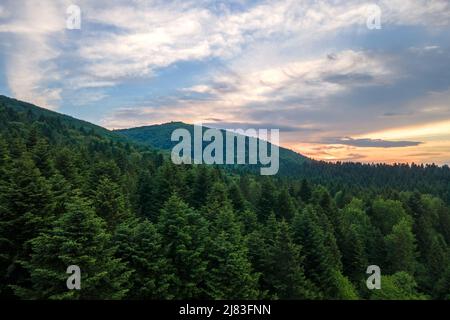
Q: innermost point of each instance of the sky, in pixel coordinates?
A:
(365, 81)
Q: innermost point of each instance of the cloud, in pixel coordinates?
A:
(87, 97)
(139, 38)
(370, 143)
(151, 36)
(433, 13)
(307, 78)
(122, 40)
(28, 34)
(273, 91)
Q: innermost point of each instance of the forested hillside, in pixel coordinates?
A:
(159, 136)
(356, 178)
(140, 227)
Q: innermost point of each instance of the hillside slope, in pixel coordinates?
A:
(158, 136)
(36, 113)
(140, 227)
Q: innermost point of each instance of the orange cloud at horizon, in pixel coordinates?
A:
(434, 147)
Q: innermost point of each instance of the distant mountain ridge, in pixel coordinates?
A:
(36, 112)
(354, 177)
(159, 137)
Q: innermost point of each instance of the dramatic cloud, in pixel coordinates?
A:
(308, 80)
(312, 68)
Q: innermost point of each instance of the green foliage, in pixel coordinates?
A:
(305, 192)
(401, 247)
(267, 200)
(109, 202)
(140, 245)
(79, 238)
(345, 289)
(230, 274)
(386, 214)
(285, 205)
(185, 235)
(141, 227)
(399, 286)
(320, 264)
(284, 266)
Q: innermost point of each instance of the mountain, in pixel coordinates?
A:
(76, 195)
(35, 112)
(336, 176)
(159, 136)
(349, 177)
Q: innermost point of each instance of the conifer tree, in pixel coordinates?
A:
(4, 158)
(78, 238)
(237, 198)
(286, 207)
(184, 232)
(166, 183)
(110, 203)
(230, 274)
(284, 267)
(42, 157)
(147, 205)
(25, 211)
(61, 191)
(140, 246)
(268, 200)
(66, 166)
(437, 268)
(319, 259)
(201, 188)
(359, 240)
(305, 192)
(401, 248)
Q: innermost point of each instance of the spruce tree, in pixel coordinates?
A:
(319, 262)
(140, 246)
(147, 205)
(305, 192)
(230, 274)
(41, 154)
(284, 267)
(25, 211)
(267, 202)
(4, 158)
(237, 198)
(201, 187)
(109, 202)
(360, 241)
(286, 207)
(78, 238)
(401, 248)
(184, 232)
